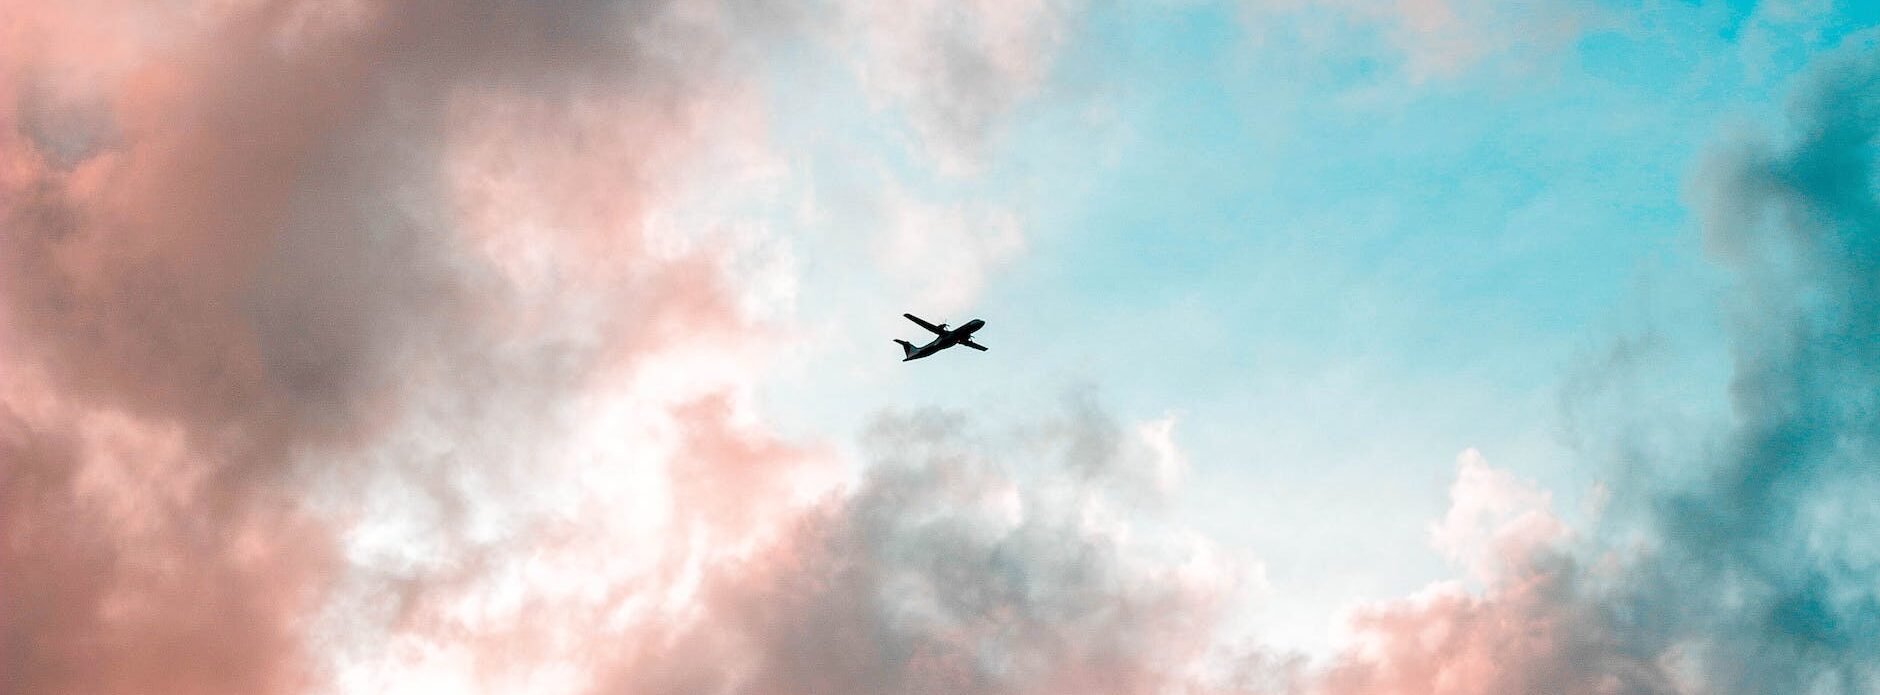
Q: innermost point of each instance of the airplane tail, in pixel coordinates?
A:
(907, 349)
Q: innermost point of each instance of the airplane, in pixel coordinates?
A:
(943, 338)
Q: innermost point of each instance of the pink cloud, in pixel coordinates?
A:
(128, 567)
(1537, 632)
(1540, 624)
(942, 573)
(255, 280)
(1495, 521)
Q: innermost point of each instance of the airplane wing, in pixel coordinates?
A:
(973, 345)
(924, 324)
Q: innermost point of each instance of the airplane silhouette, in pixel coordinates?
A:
(943, 338)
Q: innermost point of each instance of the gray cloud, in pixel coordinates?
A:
(949, 571)
(1766, 560)
(1754, 575)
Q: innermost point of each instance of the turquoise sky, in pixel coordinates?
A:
(1337, 267)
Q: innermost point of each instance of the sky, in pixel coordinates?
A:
(1337, 347)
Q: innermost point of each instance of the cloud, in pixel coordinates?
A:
(121, 577)
(956, 70)
(1753, 576)
(1763, 558)
(290, 264)
(951, 249)
(361, 346)
(946, 570)
(342, 355)
(1437, 38)
(1541, 623)
(1494, 519)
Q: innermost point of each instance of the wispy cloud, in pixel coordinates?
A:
(955, 70)
(1434, 39)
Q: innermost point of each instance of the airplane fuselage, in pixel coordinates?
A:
(946, 340)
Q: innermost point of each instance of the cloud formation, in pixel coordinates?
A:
(1766, 559)
(956, 70)
(952, 250)
(256, 249)
(1437, 38)
(341, 354)
(946, 570)
(344, 353)
(1753, 576)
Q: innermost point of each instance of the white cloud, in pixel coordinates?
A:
(955, 69)
(947, 251)
(1495, 519)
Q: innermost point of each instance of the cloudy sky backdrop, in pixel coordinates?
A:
(1338, 347)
